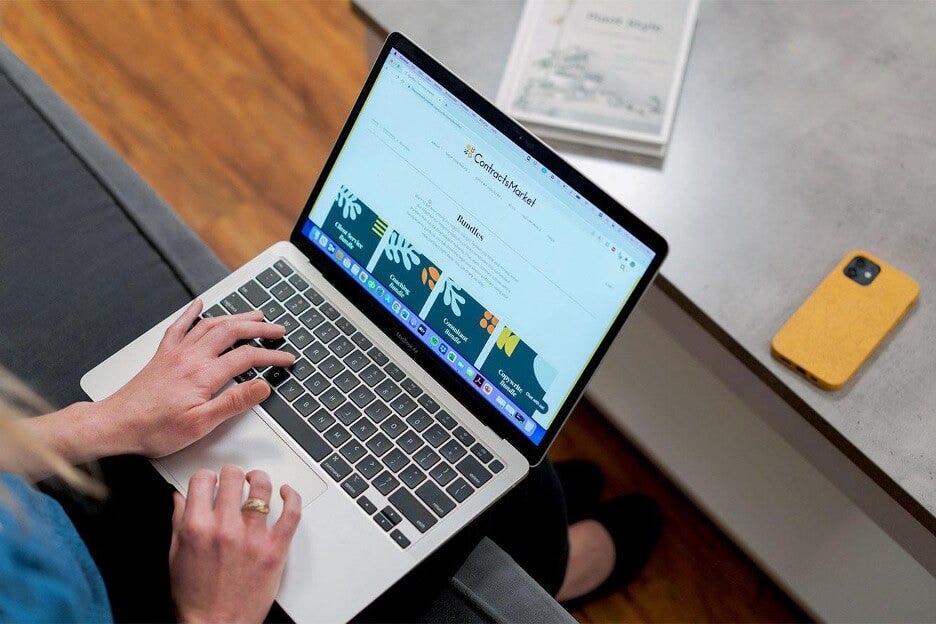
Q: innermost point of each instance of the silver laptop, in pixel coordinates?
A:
(448, 290)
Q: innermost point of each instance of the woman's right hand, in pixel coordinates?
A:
(225, 565)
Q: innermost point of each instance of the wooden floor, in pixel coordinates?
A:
(228, 110)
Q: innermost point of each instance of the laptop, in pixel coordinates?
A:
(448, 290)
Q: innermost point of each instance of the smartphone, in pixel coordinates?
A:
(841, 323)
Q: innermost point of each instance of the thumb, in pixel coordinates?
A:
(233, 401)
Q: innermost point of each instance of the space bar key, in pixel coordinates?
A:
(299, 429)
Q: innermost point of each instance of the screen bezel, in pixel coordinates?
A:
(382, 317)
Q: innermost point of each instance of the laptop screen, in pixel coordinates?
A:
(508, 275)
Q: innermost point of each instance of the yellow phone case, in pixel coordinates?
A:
(842, 322)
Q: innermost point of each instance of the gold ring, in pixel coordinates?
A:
(255, 504)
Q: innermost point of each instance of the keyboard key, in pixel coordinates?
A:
(394, 371)
(378, 356)
(290, 389)
(298, 283)
(275, 376)
(289, 420)
(272, 310)
(301, 338)
(331, 398)
(355, 485)
(336, 467)
(341, 346)
(361, 341)
(377, 411)
(254, 293)
(347, 413)
(395, 460)
(379, 444)
(361, 396)
(372, 375)
(399, 538)
(481, 453)
(385, 482)
(383, 522)
(316, 352)
(329, 310)
(337, 435)
(476, 474)
(410, 442)
(214, 311)
(311, 318)
(419, 420)
(452, 451)
(392, 515)
(314, 297)
(366, 504)
(438, 502)
(403, 405)
(369, 466)
(353, 451)
(426, 458)
(235, 304)
(326, 332)
(388, 390)
(289, 323)
(356, 360)
(301, 369)
(428, 403)
(321, 420)
(412, 510)
(411, 476)
(459, 490)
(443, 473)
(281, 266)
(363, 429)
(297, 305)
(446, 420)
(393, 427)
(347, 381)
(317, 384)
(306, 404)
(345, 326)
(283, 291)
(411, 387)
(496, 466)
(247, 375)
(462, 435)
(272, 343)
(288, 348)
(331, 367)
(436, 436)
(268, 277)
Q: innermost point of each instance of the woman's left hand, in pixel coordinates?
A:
(171, 402)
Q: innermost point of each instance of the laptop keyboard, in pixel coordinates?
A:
(372, 429)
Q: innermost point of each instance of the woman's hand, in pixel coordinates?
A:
(171, 402)
(225, 564)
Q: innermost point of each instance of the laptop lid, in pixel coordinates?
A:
(502, 270)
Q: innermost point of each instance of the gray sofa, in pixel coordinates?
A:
(90, 257)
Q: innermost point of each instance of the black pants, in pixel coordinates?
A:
(128, 536)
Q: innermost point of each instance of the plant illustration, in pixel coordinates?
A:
(348, 202)
(452, 298)
(400, 250)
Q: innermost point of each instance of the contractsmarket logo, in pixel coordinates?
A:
(469, 150)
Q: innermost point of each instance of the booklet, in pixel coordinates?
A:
(600, 72)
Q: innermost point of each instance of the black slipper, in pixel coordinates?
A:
(581, 483)
(635, 523)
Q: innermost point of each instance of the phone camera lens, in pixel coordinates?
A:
(851, 272)
(859, 262)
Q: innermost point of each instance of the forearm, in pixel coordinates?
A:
(79, 433)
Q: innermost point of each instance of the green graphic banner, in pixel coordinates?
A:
(465, 324)
(519, 372)
(407, 273)
(355, 226)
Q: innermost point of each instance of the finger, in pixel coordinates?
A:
(178, 510)
(260, 488)
(200, 499)
(285, 527)
(246, 356)
(223, 335)
(177, 330)
(233, 401)
(202, 328)
(230, 494)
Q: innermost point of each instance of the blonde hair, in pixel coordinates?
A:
(19, 401)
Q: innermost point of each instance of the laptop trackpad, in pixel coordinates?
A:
(248, 442)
